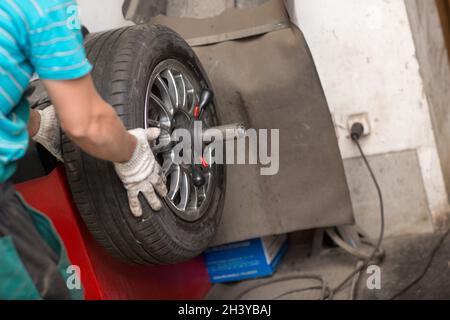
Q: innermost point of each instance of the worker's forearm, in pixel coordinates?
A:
(89, 121)
(105, 137)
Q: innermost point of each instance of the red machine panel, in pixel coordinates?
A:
(105, 277)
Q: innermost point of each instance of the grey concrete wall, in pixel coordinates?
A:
(203, 9)
(367, 61)
(435, 70)
(197, 8)
(400, 178)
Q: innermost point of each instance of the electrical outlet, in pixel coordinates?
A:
(362, 118)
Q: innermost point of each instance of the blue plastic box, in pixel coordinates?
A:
(245, 260)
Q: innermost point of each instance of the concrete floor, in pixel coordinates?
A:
(406, 258)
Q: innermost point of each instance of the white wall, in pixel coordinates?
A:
(365, 56)
(100, 15)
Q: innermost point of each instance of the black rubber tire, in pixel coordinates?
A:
(123, 61)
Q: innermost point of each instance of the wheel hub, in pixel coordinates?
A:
(172, 94)
(182, 120)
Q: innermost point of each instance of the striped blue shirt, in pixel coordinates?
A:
(36, 36)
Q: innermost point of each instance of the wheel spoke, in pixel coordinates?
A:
(173, 90)
(191, 100)
(201, 193)
(193, 205)
(181, 86)
(167, 115)
(185, 191)
(175, 182)
(165, 94)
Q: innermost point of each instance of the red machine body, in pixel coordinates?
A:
(103, 276)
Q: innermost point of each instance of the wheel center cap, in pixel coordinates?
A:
(182, 120)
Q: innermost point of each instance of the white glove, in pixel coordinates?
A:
(49, 134)
(142, 174)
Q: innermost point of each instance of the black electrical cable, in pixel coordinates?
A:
(316, 288)
(426, 269)
(356, 135)
(326, 292)
(355, 282)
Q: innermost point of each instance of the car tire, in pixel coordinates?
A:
(123, 61)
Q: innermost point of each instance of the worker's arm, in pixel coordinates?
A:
(89, 121)
(93, 125)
